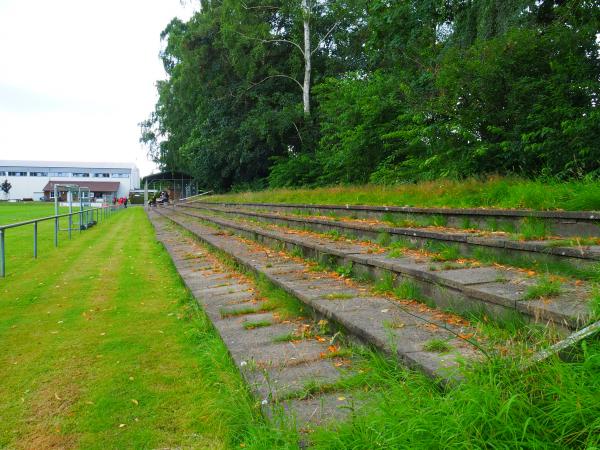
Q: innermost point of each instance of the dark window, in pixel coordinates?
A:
(38, 174)
(17, 174)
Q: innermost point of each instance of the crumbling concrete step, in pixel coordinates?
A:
(540, 252)
(277, 372)
(560, 223)
(499, 291)
(406, 329)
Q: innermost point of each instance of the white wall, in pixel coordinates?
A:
(32, 187)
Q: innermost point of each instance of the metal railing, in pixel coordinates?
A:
(87, 218)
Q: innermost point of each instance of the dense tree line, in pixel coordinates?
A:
(307, 92)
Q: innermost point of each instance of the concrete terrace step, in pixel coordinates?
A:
(561, 223)
(583, 256)
(405, 329)
(499, 291)
(275, 371)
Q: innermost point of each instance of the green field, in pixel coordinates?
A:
(101, 351)
(19, 241)
(19, 212)
(101, 346)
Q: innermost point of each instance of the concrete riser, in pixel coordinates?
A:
(556, 227)
(442, 297)
(354, 331)
(508, 255)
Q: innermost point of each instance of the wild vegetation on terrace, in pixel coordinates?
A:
(291, 93)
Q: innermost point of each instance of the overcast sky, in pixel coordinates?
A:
(77, 76)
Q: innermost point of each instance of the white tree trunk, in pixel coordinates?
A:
(307, 57)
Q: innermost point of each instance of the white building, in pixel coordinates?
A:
(36, 179)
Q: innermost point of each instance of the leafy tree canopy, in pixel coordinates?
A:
(400, 90)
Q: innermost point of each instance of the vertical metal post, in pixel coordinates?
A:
(35, 230)
(80, 220)
(56, 200)
(56, 231)
(2, 256)
(70, 200)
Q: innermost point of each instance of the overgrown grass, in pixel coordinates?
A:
(545, 287)
(408, 290)
(253, 324)
(533, 228)
(437, 346)
(500, 405)
(444, 252)
(526, 261)
(495, 192)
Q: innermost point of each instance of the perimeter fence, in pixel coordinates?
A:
(68, 223)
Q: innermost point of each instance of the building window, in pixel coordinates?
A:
(2, 173)
(17, 174)
(59, 174)
(52, 194)
(102, 175)
(120, 175)
(81, 174)
(38, 174)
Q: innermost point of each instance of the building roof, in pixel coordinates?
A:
(89, 165)
(167, 176)
(94, 186)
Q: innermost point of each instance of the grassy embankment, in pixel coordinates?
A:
(492, 193)
(100, 350)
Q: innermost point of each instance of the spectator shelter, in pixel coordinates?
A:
(177, 184)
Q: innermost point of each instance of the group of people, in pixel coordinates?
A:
(162, 197)
(121, 201)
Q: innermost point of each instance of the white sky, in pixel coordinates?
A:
(77, 76)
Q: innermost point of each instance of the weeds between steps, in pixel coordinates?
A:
(544, 288)
(498, 405)
(407, 287)
(287, 307)
(448, 252)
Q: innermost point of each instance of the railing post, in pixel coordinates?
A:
(70, 224)
(56, 231)
(2, 256)
(80, 220)
(35, 234)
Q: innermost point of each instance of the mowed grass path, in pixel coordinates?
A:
(101, 346)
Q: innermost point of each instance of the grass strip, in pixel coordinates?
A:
(494, 192)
